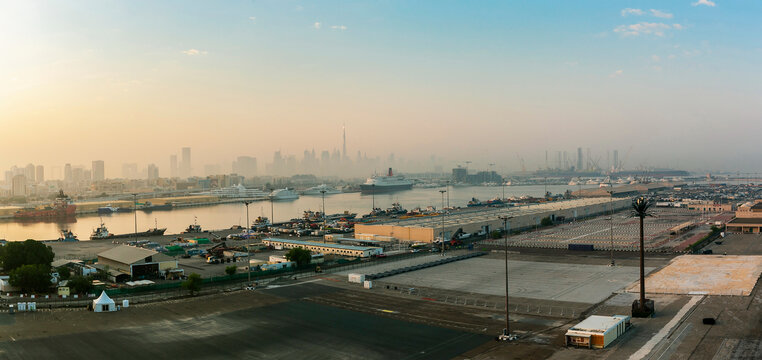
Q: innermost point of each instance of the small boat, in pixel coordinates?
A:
(67, 235)
(283, 194)
(193, 228)
(108, 209)
(320, 190)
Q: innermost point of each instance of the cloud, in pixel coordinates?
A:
(646, 28)
(655, 58)
(339, 27)
(629, 11)
(704, 2)
(299, 8)
(194, 52)
(661, 14)
(616, 73)
(253, 18)
(317, 25)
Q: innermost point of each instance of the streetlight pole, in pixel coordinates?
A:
(507, 332)
(135, 208)
(272, 212)
(611, 222)
(248, 251)
(447, 187)
(443, 216)
(322, 192)
(373, 195)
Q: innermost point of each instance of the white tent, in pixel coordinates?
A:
(103, 303)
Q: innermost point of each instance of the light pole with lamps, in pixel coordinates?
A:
(373, 195)
(611, 222)
(507, 332)
(322, 193)
(443, 216)
(135, 208)
(248, 252)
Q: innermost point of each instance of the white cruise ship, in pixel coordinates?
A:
(316, 190)
(238, 191)
(283, 194)
(390, 182)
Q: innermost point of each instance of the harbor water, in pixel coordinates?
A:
(223, 216)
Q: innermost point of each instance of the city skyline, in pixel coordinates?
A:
(489, 82)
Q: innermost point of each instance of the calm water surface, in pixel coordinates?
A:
(226, 215)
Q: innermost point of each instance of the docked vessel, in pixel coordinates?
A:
(193, 228)
(320, 189)
(101, 232)
(67, 235)
(283, 194)
(238, 191)
(61, 208)
(148, 206)
(387, 183)
(108, 209)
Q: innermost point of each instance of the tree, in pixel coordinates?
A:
(230, 270)
(299, 255)
(30, 252)
(546, 221)
(80, 285)
(641, 208)
(31, 278)
(63, 272)
(193, 284)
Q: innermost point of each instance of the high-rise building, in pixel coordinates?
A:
(579, 159)
(616, 159)
(29, 173)
(99, 171)
(130, 171)
(185, 163)
(173, 166)
(67, 173)
(245, 166)
(40, 174)
(153, 172)
(344, 147)
(18, 187)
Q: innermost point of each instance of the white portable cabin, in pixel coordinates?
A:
(103, 303)
(597, 331)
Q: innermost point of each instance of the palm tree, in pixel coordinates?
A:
(641, 208)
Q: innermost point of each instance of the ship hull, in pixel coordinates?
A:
(154, 232)
(68, 212)
(369, 189)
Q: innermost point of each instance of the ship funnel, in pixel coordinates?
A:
(390, 172)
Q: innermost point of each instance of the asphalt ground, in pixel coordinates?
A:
(289, 327)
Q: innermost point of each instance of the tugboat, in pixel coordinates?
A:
(67, 235)
(194, 228)
(61, 208)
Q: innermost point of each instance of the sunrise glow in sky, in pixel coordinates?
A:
(678, 81)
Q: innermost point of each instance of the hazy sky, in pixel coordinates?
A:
(678, 81)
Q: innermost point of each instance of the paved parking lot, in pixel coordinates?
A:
(598, 231)
(539, 280)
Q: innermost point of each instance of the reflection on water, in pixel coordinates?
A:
(226, 215)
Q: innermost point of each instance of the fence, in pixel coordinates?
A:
(486, 302)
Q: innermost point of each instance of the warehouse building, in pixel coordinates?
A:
(428, 228)
(344, 250)
(748, 219)
(597, 331)
(129, 262)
